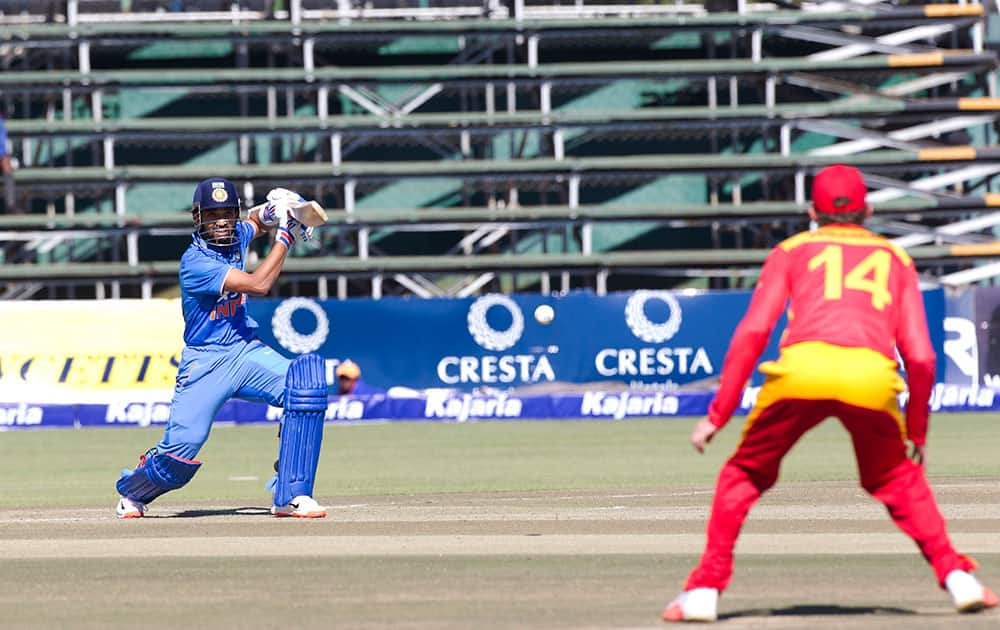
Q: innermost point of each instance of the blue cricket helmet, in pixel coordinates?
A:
(216, 192)
(210, 194)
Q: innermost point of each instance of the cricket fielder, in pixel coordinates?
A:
(853, 300)
(223, 359)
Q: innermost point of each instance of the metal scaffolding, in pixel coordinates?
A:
(515, 104)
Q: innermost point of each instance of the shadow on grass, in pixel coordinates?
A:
(817, 610)
(240, 511)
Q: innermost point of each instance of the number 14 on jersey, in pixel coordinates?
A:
(871, 275)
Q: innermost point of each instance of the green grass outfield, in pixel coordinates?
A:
(499, 525)
(61, 467)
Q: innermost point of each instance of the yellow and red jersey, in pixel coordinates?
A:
(845, 286)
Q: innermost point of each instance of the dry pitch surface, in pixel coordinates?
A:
(817, 555)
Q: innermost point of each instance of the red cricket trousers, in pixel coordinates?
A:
(878, 436)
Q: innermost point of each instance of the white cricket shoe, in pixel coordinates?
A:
(128, 508)
(300, 507)
(967, 593)
(698, 604)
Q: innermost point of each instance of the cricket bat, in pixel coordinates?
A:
(309, 213)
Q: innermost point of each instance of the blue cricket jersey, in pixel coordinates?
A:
(212, 317)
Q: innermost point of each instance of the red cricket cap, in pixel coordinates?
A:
(839, 188)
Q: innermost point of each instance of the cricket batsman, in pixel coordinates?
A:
(223, 359)
(853, 300)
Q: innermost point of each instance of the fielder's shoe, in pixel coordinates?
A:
(300, 507)
(967, 593)
(698, 604)
(128, 508)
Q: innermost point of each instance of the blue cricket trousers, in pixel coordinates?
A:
(207, 377)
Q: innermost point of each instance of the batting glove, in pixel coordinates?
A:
(271, 214)
(283, 194)
(290, 230)
(279, 203)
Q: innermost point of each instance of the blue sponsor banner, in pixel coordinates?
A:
(488, 358)
(935, 306)
(646, 339)
(444, 406)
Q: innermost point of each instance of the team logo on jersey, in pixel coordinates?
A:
(640, 324)
(484, 334)
(220, 195)
(290, 338)
(228, 305)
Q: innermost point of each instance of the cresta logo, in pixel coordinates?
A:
(655, 359)
(640, 324)
(487, 336)
(291, 339)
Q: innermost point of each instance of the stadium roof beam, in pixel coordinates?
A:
(931, 183)
(630, 260)
(866, 139)
(974, 274)
(900, 188)
(968, 235)
(636, 165)
(337, 23)
(858, 92)
(222, 79)
(676, 214)
(900, 42)
(950, 232)
(795, 114)
(902, 38)
(852, 45)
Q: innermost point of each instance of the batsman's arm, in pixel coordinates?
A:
(259, 281)
(253, 218)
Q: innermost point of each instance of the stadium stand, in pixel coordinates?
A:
(466, 147)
